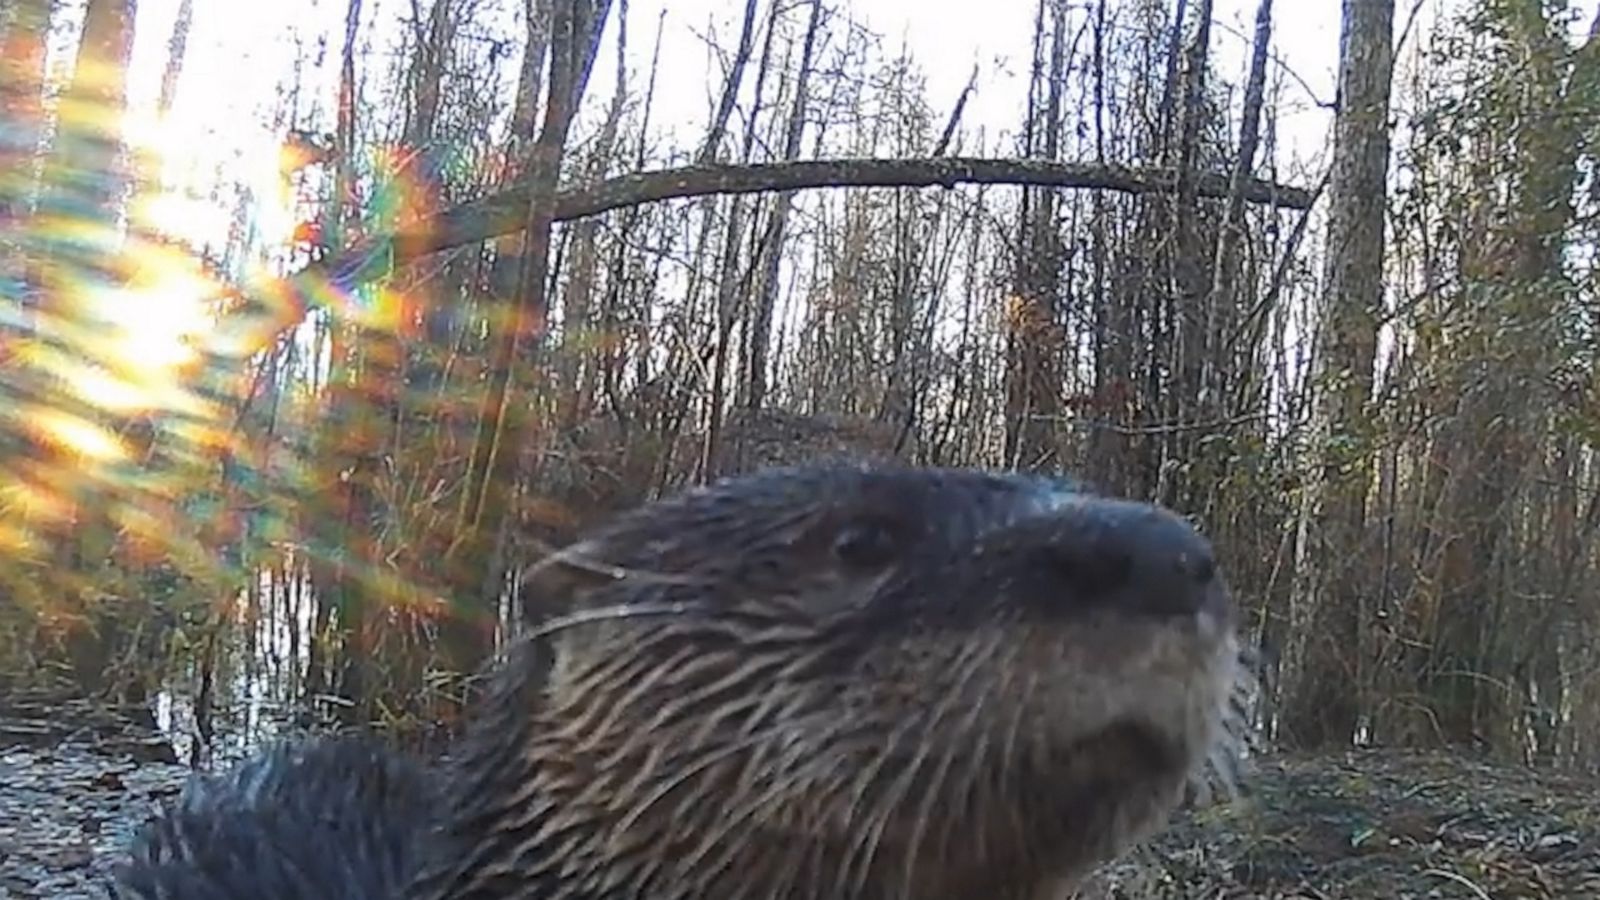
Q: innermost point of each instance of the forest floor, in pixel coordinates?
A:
(1371, 824)
(1362, 826)
(76, 781)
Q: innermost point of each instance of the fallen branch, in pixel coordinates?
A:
(506, 211)
(502, 213)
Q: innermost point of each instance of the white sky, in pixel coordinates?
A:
(239, 54)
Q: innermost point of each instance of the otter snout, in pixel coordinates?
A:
(1118, 555)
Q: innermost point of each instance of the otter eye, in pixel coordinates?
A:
(865, 545)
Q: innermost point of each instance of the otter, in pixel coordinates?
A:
(331, 817)
(828, 681)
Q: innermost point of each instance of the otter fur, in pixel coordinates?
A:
(834, 681)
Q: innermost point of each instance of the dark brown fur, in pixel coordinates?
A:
(973, 699)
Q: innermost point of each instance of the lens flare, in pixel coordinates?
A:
(77, 435)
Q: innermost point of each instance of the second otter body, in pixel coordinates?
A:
(841, 682)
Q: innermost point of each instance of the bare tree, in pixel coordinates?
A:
(347, 496)
(575, 391)
(86, 175)
(733, 284)
(1326, 702)
(24, 29)
(74, 243)
(1034, 365)
(772, 241)
(524, 118)
(477, 562)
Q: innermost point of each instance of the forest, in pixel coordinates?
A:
(294, 389)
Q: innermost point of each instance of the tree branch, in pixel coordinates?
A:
(506, 211)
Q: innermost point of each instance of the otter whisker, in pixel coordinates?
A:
(686, 773)
(975, 739)
(966, 665)
(752, 670)
(1009, 760)
(578, 558)
(618, 612)
(646, 681)
(863, 848)
(1005, 773)
(889, 803)
(581, 724)
(778, 787)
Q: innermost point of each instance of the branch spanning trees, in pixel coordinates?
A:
(505, 212)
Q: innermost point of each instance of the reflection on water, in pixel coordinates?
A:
(261, 681)
(257, 683)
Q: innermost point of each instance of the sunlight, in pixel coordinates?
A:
(156, 326)
(128, 347)
(78, 436)
(137, 340)
(180, 216)
(154, 323)
(176, 206)
(23, 500)
(148, 330)
(16, 541)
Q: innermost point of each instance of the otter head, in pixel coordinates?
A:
(851, 682)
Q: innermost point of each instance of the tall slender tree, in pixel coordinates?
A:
(1327, 697)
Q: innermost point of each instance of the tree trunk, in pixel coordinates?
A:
(75, 242)
(24, 28)
(476, 562)
(772, 243)
(582, 335)
(732, 290)
(86, 175)
(1326, 704)
(342, 519)
(524, 116)
(1035, 337)
(1186, 458)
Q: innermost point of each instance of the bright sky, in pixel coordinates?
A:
(240, 55)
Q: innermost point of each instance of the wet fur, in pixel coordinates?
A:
(798, 732)
(331, 817)
(778, 725)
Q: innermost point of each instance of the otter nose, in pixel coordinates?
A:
(1133, 556)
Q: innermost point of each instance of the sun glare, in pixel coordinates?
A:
(76, 435)
(153, 327)
(135, 341)
(156, 326)
(180, 216)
